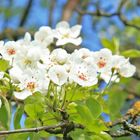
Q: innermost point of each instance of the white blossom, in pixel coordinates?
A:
(30, 82)
(83, 74)
(34, 66)
(109, 77)
(9, 50)
(82, 55)
(15, 73)
(122, 66)
(58, 74)
(26, 40)
(44, 36)
(28, 57)
(59, 56)
(1, 48)
(65, 34)
(103, 60)
(22, 95)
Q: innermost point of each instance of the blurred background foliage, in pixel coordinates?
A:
(111, 24)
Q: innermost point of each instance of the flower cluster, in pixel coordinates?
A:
(34, 66)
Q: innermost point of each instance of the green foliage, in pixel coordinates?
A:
(11, 11)
(17, 117)
(94, 107)
(18, 136)
(113, 44)
(88, 114)
(132, 53)
(82, 135)
(5, 114)
(34, 110)
(89, 111)
(115, 102)
(4, 65)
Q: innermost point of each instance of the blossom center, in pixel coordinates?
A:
(31, 86)
(27, 62)
(101, 63)
(59, 75)
(65, 36)
(82, 77)
(11, 51)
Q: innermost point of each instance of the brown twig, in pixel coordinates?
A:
(52, 5)
(69, 8)
(120, 133)
(46, 128)
(12, 34)
(128, 123)
(118, 13)
(50, 129)
(25, 13)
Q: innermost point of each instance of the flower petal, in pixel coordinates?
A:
(75, 31)
(62, 24)
(22, 95)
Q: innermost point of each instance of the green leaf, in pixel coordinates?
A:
(44, 134)
(96, 137)
(34, 111)
(113, 44)
(85, 113)
(4, 65)
(5, 113)
(30, 122)
(115, 95)
(49, 118)
(38, 98)
(97, 126)
(79, 135)
(94, 107)
(105, 136)
(23, 136)
(85, 117)
(17, 117)
(34, 136)
(107, 44)
(132, 53)
(84, 135)
(76, 93)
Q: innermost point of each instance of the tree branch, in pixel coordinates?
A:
(69, 8)
(50, 129)
(97, 13)
(46, 128)
(25, 13)
(52, 5)
(118, 13)
(12, 34)
(126, 23)
(128, 123)
(120, 133)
